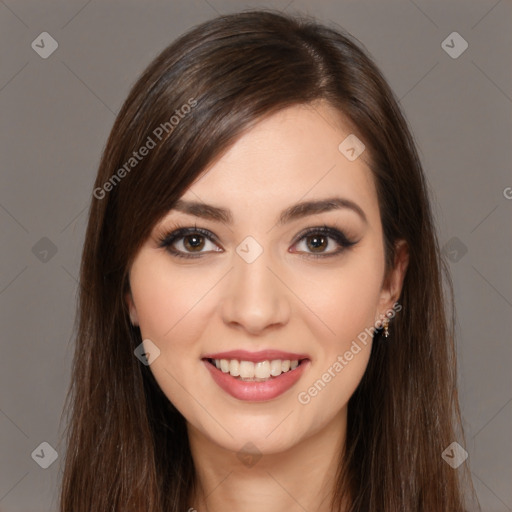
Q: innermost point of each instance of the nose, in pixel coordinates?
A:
(255, 300)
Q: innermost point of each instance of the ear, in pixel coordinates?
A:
(131, 308)
(393, 281)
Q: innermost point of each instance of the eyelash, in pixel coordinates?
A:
(168, 238)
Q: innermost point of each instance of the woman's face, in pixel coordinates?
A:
(254, 292)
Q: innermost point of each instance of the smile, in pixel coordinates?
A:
(256, 377)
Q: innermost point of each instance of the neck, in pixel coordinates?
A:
(301, 478)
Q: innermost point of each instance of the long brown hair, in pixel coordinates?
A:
(127, 445)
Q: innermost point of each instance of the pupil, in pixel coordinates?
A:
(197, 242)
(315, 240)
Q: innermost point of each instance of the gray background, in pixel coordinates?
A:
(56, 116)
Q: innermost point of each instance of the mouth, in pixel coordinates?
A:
(256, 377)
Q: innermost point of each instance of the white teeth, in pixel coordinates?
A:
(262, 370)
(234, 368)
(246, 369)
(276, 367)
(224, 365)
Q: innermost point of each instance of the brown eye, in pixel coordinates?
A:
(189, 242)
(317, 243)
(322, 241)
(194, 242)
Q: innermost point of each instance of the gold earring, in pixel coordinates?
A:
(386, 328)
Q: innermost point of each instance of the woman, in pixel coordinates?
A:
(261, 320)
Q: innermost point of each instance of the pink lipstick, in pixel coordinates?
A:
(256, 376)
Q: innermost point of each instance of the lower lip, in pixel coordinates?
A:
(256, 391)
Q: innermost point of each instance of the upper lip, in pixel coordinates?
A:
(262, 355)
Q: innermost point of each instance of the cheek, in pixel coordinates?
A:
(347, 301)
(344, 299)
(169, 305)
(166, 300)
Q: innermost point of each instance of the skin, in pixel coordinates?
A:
(285, 300)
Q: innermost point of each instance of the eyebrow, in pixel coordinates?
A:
(296, 211)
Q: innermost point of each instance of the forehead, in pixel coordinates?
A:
(292, 155)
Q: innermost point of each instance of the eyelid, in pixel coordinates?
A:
(331, 231)
(168, 237)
